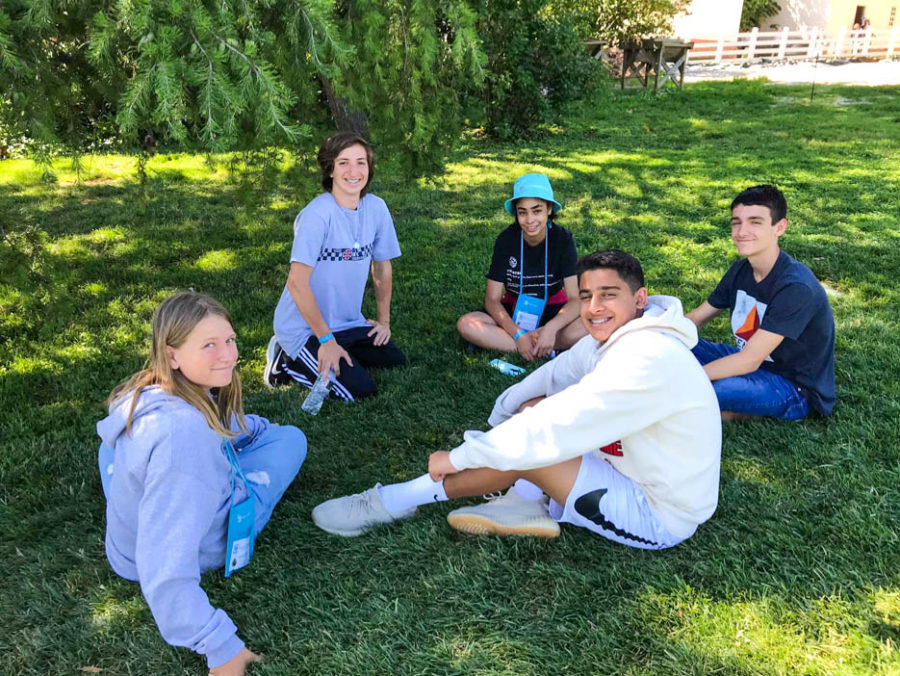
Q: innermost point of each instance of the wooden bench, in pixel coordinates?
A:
(595, 48)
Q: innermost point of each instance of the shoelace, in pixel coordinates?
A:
(360, 504)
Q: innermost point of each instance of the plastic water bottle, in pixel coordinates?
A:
(318, 393)
(506, 368)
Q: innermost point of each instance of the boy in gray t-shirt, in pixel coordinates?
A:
(338, 237)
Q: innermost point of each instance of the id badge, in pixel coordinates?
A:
(241, 536)
(528, 311)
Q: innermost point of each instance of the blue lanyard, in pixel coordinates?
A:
(522, 261)
(235, 466)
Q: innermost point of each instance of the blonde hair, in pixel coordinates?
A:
(173, 322)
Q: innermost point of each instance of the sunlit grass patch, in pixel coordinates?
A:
(109, 613)
(217, 260)
(766, 634)
(35, 366)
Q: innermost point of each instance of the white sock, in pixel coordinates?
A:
(527, 490)
(398, 498)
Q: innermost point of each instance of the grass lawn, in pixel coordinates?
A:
(798, 572)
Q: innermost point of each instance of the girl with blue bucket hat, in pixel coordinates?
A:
(531, 301)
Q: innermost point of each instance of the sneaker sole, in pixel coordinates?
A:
(475, 524)
(359, 531)
(271, 352)
(341, 533)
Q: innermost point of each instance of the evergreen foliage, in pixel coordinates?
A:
(193, 72)
(224, 75)
(621, 21)
(755, 11)
(49, 90)
(535, 60)
(229, 74)
(232, 74)
(414, 64)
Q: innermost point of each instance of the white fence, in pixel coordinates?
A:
(797, 45)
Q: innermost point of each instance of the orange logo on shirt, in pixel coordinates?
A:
(750, 325)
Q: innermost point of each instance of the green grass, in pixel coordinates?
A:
(796, 573)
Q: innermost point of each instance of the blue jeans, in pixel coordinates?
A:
(270, 462)
(759, 393)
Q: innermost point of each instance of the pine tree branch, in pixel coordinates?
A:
(262, 79)
(253, 67)
(209, 86)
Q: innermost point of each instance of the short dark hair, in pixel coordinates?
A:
(333, 146)
(766, 196)
(626, 266)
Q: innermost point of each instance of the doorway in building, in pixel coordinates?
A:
(860, 14)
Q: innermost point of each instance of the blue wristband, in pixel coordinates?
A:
(519, 334)
(324, 339)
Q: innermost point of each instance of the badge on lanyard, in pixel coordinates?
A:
(528, 310)
(241, 520)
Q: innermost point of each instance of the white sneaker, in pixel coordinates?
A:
(274, 368)
(506, 515)
(353, 515)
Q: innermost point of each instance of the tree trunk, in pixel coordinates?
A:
(344, 118)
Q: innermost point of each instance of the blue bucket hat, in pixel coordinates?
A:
(532, 185)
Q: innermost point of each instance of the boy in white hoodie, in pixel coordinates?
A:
(622, 432)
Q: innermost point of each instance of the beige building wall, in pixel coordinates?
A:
(799, 15)
(877, 11)
(709, 18)
(831, 15)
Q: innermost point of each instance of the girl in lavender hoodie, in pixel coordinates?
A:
(178, 455)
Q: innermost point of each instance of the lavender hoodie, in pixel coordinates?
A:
(167, 515)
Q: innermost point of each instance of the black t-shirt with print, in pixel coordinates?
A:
(506, 267)
(790, 302)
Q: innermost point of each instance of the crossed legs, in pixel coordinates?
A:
(555, 480)
(480, 329)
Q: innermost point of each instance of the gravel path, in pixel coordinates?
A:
(833, 72)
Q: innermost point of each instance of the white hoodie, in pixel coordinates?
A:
(642, 388)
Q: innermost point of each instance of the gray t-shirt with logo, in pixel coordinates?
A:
(339, 244)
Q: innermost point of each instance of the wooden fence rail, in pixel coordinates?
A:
(797, 45)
